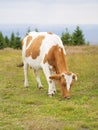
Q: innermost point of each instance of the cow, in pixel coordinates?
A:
(45, 50)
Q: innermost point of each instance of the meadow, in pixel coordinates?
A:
(31, 109)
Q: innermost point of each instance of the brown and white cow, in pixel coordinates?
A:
(45, 50)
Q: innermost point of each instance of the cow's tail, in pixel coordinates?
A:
(20, 65)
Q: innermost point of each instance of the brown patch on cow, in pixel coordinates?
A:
(68, 73)
(34, 49)
(49, 32)
(57, 59)
(65, 92)
(50, 57)
(62, 83)
(29, 38)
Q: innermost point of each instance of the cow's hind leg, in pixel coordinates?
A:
(26, 74)
(39, 84)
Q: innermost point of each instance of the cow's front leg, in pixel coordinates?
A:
(51, 89)
(26, 74)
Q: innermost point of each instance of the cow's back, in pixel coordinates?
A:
(36, 45)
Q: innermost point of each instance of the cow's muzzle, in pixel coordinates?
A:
(67, 97)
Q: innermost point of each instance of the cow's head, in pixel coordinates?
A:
(65, 80)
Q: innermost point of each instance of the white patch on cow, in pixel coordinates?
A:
(34, 63)
(68, 80)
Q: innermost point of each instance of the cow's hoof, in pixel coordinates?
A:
(67, 97)
(26, 86)
(41, 87)
(51, 95)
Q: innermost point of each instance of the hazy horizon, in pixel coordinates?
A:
(90, 31)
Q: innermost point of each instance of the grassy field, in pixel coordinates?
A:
(32, 109)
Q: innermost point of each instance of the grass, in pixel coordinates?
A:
(32, 109)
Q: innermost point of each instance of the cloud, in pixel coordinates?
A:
(49, 11)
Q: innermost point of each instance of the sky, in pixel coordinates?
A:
(49, 12)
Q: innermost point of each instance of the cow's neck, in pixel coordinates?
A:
(60, 61)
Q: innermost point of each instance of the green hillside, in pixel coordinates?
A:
(32, 109)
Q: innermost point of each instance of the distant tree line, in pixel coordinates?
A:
(13, 42)
(76, 38)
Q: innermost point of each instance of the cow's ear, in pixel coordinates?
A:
(55, 77)
(74, 77)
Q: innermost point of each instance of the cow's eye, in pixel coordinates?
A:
(62, 75)
(73, 77)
